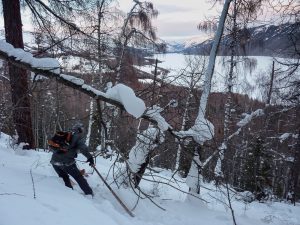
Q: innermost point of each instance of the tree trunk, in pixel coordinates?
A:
(208, 77)
(271, 83)
(212, 59)
(18, 76)
(296, 168)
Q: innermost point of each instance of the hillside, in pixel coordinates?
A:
(264, 40)
(31, 193)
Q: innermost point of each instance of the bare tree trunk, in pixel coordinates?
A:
(153, 100)
(184, 119)
(271, 83)
(18, 77)
(228, 105)
(296, 168)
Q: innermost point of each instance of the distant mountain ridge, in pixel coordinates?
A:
(264, 40)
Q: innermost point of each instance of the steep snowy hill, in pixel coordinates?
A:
(32, 194)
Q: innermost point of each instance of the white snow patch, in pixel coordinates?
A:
(125, 95)
(249, 117)
(290, 159)
(284, 136)
(144, 144)
(154, 113)
(202, 130)
(57, 204)
(26, 57)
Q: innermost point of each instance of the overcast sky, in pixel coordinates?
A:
(178, 19)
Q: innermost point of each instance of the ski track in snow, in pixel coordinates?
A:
(57, 204)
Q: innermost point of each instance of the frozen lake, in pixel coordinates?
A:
(251, 73)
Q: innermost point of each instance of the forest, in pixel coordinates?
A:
(86, 61)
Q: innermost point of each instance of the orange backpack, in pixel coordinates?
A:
(60, 141)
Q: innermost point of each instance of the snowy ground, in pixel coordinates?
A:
(56, 204)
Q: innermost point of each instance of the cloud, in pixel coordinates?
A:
(177, 28)
(166, 8)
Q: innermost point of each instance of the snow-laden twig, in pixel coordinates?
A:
(248, 118)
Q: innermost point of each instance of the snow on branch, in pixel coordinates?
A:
(154, 113)
(133, 105)
(249, 117)
(119, 95)
(26, 57)
(202, 130)
(145, 143)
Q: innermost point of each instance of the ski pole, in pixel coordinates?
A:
(114, 194)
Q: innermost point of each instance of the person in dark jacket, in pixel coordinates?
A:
(64, 163)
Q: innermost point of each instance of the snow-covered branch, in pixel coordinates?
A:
(247, 119)
(49, 67)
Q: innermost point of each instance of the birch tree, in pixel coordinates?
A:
(192, 76)
(203, 129)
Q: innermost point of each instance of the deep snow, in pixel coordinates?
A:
(56, 204)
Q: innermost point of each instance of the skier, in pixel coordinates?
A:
(64, 163)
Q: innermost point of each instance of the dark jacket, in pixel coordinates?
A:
(76, 146)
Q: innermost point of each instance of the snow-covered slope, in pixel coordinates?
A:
(32, 194)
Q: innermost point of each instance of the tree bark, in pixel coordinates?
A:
(18, 76)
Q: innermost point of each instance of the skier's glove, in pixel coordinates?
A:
(91, 161)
